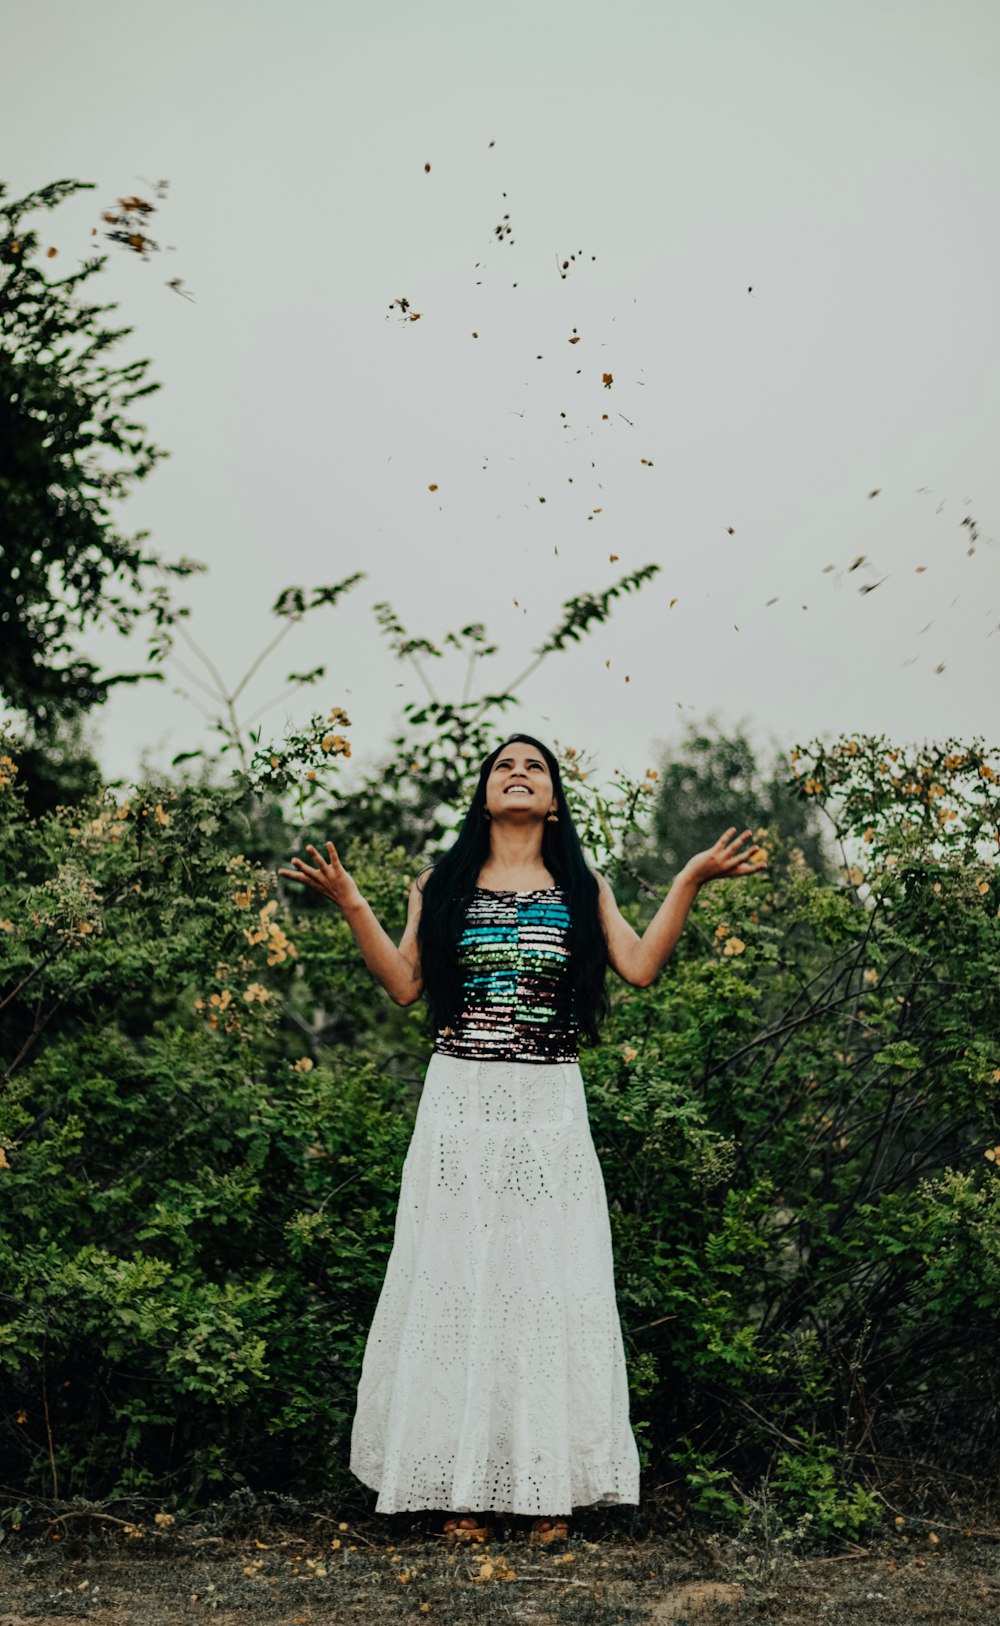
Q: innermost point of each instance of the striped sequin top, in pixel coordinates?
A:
(517, 998)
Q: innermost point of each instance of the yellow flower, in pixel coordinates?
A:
(258, 992)
(159, 815)
(6, 925)
(629, 1053)
(733, 945)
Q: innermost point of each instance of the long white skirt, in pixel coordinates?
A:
(494, 1373)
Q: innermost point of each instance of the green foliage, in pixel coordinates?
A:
(206, 1103)
(707, 783)
(69, 449)
(413, 796)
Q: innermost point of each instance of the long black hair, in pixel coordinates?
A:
(448, 890)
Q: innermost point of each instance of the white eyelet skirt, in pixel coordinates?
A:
(494, 1373)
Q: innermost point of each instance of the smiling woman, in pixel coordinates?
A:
(494, 1373)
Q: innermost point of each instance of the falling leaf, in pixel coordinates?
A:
(427, 169)
(414, 316)
(612, 558)
(670, 606)
(574, 340)
(598, 510)
(607, 380)
(647, 461)
(921, 569)
(858, 561)
(475, 335)
(627, 678)
(603, 415)
(50, 253)
(432, 488)
(875, 492)
(730, 530)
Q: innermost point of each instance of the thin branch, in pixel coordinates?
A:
(206, 661)
(191, 676)
(425, 680)
(290, 622)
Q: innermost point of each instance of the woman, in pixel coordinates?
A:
(494, 1372)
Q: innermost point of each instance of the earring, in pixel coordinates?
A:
(552, 818)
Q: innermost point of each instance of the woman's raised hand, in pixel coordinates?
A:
(326, 875)
(728, 857)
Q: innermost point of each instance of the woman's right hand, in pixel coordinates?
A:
(327, 876)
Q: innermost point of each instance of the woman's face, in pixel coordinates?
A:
(519, 784)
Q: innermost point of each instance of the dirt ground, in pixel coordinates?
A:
(323, 1570)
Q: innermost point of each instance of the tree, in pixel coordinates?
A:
(69, 449)
(711, 781)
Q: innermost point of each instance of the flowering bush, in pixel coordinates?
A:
(206, 1104)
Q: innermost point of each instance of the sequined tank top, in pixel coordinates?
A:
(517, 997)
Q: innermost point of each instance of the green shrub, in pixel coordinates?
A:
(206, 1104)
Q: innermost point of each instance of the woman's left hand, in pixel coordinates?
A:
(728, 857)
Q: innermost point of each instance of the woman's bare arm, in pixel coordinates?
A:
(397, 969)
(639, 960)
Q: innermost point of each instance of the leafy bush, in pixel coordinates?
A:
(206, 1104)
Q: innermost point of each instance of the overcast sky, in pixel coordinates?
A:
(839, 159)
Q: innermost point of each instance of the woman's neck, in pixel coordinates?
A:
(515, 860)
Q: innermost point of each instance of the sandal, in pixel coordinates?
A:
(549, 1530)
(465, 1527)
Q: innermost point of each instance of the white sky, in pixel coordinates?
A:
(840, 158)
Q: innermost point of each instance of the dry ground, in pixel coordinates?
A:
(322, 1570)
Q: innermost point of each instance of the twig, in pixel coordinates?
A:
(48, 1425)
(841, 1558)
